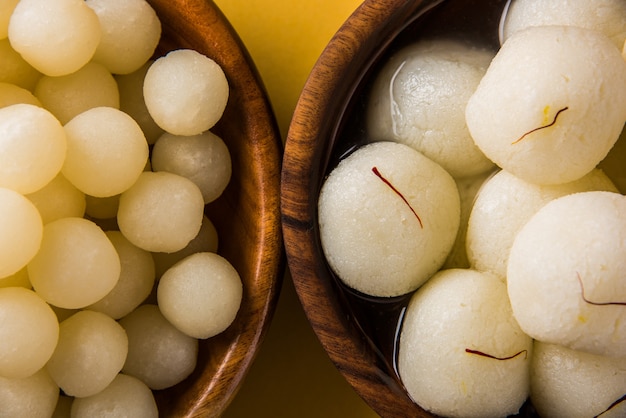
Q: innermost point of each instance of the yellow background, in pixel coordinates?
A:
(292, 376)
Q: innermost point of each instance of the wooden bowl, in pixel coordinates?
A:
(359, 334)
(246, 215)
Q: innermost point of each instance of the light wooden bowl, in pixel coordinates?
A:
(246, 215)
(358, 334)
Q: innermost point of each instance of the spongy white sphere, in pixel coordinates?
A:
(203, 159)
(504, 204)
(200, 295)
(161, 212)
(185, 92)
(91, 351)
(130, 33)
(419, 99)
(567, 383)
(556, 119)
(11, 94)
(22, 231)
(135, 282)
(76, 264)
(57, 37)
(32, 396)
(33, 145)
(58, 199)
(567, 259)
(158, 354)
(106, 151)
(69, 95)
(388, 217)
(29, 332)
(605, 16)
(451, 326)
(126, 396)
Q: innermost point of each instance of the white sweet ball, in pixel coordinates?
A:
(11, 94)
(22, 231)
(57, 37)
(605, 16)
(69, 95)
(556, 119)
(14, 69)
(126, 396)
(385, 234)
(33, 145)
(567, 259)
(200, 295)
(161, 212)
(29, 332)
(419, 99)
(451, 326)
(203, 159)
(504, 204)
(91, 351)
(32, 396)
(130, 33)
(135, 282)
(185, 92)
(76, 264)
(106, 151)
(158, 353)
(567, 383)
(58, 199)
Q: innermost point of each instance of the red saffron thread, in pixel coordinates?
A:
(582, 293)
(480, 353)
(613, 405)
(541, 127)
(388, 183)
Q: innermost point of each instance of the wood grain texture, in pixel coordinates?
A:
(311, 134)
(246, 215)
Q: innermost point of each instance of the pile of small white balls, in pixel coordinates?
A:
(518, 279)
(108, 267)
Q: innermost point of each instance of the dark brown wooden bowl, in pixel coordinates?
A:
(357, 332)
(246, 215)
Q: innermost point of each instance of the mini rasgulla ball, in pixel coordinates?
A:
(388, 217)
(419, 99)
(28, 397)
(605, 16)
(567, 383)
(551, 104)
(461, 352)
(565, 273)
(185, 92)
(504, 204)
(200, 295)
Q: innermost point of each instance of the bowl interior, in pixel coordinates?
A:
(359, 333)
(246, 216)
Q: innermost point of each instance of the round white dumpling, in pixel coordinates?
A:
(605, 16)
(567, 383)
(33, 145)
(91, 351)
(11, 94)
(388, 217)
(161, 212)
(461, 352)
(200, 295)
(29, 332)
(127, 396)
(130, 33)
(58, 199)
(419, 99)
(32, 396)
(504, 204)
(551, 104)
(566, 273)
(185, 92)
(158, 353)
(57, 37)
